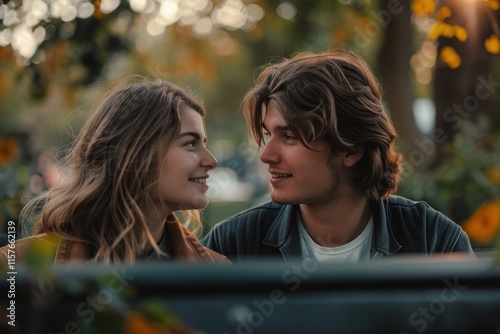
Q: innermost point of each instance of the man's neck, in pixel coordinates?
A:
(338, 222)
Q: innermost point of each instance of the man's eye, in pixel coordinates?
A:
(267, 134)
(290, 137)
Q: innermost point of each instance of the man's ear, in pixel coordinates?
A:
(353, 156)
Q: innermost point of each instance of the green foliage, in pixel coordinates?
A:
(464, 180)
(18, 179)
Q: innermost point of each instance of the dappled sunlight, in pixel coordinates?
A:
(287, 11)
(422, 62)
(24, 27)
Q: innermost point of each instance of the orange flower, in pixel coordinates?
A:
(450, 57)
(8, 151)
(136, 323)
(483, 225)
(423, 7)
(492, 44)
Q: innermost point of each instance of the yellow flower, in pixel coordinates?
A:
(450, 57)
(443, 13)
(493, 174)
(8, 151)
(492, 44)
(423, 7)
(493, 4)
(484, 223)
(460, 33)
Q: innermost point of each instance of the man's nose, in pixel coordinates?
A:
(270, 154)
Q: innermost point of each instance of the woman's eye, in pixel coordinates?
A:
(267, 134)
(290, 137)
(191, 143)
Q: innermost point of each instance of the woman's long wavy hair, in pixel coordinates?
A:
(114, 171)
(331, 96)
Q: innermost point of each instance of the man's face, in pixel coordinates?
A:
(299, 175)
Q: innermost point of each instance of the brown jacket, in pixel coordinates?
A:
(184, 247)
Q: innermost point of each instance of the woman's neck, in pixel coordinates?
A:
(155, 219)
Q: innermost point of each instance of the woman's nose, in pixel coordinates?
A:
(209, 160)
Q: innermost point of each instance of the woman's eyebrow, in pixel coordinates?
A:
(196, 135)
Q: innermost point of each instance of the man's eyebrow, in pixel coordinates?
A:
(279, 128)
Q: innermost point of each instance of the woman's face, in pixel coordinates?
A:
(185, 166)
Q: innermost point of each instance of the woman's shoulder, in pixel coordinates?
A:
(217, 257)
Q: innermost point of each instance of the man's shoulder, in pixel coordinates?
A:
(400, 201)
(243, 235)
(419, 227)
(410, 214)
(262, 212)
(398, 205)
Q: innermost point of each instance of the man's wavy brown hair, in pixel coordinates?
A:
(332, 96)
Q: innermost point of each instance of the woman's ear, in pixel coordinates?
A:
(353, 156)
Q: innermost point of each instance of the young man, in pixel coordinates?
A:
(329, 147)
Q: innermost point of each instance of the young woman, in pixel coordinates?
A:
(140, 158)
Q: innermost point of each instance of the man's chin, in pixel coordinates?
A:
(281, 199)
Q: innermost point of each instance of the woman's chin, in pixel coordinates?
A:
(198, 202)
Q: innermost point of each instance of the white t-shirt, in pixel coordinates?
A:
(355, 251)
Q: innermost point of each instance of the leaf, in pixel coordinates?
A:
(448, 30)
(436, 30)
(450, 57)
(423, 7)
(492, 44)
(40, 253)
(493, 4)
(8, 151)
(137, 323)
(162, 315)
(460, 33)
(493, 175)
(444, 13)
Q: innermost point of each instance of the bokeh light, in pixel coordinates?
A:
(23, 27)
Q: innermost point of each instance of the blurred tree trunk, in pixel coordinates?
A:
(465, 93)
(395, 73)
